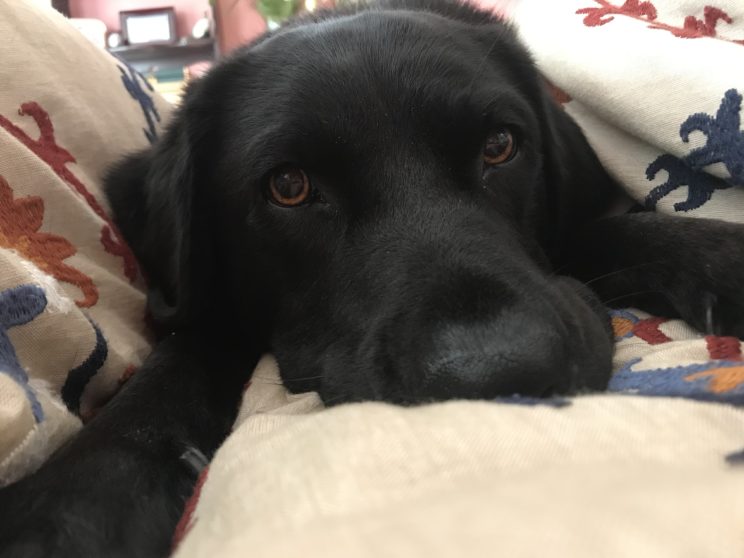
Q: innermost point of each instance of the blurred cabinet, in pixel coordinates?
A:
(163, 59)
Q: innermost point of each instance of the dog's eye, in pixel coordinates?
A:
(289, 187)
(500, 147)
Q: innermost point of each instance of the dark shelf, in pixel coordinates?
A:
(168, 56)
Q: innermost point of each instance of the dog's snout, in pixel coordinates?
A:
(515, 355)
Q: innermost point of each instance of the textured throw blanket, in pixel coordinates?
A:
(657, 87)
(605, 475)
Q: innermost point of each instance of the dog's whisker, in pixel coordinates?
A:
(272, 382)
(619, 271)
(629, 295)
(333, 400)
(557, 272)
(632, 344)
(302, 378)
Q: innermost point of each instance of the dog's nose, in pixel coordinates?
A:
(519, 354)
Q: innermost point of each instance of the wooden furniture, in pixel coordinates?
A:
(148, 59)
(148, 26)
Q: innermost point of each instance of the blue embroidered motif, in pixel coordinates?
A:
(555, 402)
(79, 377)
(677, 381)
(132, 81)
(736, 458)
(19, 306)
(724, 144)
(700, 184)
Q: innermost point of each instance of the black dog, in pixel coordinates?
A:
(388, 200)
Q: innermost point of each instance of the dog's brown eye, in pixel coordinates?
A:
(289, 187)
(500, 147)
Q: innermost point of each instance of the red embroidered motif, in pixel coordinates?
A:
(723, 348)
(187, 519)
(129, 371)
(20, 221)
(46, 148)
(633, 8)
(706, 28)
(649, 331)
(692, 27)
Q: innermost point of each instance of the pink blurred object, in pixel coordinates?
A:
(502, 8)
(197, 70)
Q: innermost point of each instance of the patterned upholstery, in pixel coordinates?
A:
(71, 295)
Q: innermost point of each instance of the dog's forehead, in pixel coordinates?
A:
(373, 59)
(369, 33)
(371, 86)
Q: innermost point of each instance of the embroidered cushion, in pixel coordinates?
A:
(72, 304)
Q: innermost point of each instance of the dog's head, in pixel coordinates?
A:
(381, 197)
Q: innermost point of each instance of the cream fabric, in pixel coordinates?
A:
(635, 75)
(606, 475)
(66, 114)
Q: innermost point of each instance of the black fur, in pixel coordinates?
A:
(416, 275)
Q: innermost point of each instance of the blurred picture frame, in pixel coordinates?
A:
(149, 26)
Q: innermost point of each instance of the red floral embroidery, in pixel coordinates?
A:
(47, 149)
(649, 331)
(692, 28)
(187, 518)
(723, 348)
(605, 14)
(129, 371)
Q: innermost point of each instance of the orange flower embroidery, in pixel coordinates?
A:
(20, 221)
(46, 148)
(721, 379)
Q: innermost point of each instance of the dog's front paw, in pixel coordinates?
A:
(109, 503)
(56, 531)
(705, 282)
(40, 521)
(712, 310)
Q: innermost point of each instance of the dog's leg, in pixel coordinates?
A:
(680, 267)
(118, 488)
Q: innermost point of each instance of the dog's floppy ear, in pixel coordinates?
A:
(578, 187)
(153, 195)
